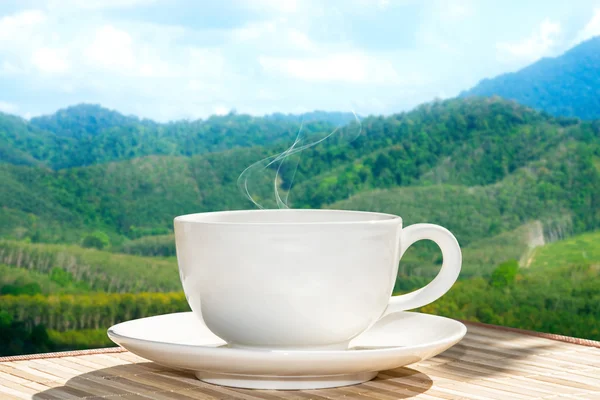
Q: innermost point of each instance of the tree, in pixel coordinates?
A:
(97, 239)
(504, 275)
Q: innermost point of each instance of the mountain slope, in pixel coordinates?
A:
(335, 118)
(562, 189)
(567, 85)
(85, 120)
(480, 167)
(499, 175)
(24, 144)
(133, 197)
(464, 141)
(577, 250)
(89, 134)
(97, 270)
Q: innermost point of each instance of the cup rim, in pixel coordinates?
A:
(376, 217)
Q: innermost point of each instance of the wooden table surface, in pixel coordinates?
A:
(489, 363)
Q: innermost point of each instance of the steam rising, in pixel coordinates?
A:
(279, 159)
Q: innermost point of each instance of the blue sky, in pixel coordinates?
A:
(188, 59)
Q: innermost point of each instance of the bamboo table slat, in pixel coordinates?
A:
(489, 363)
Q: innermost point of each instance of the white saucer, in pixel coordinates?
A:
(182, 341)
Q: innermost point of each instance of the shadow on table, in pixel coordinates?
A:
(482, 353)
(485, 352)
(151, 381)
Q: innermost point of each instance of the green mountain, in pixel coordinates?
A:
(23, 144)
(530, 193)
(578, 250)
(56, 297)
(335, 118)
(92, 269)
(480, 167)
(129, 198)
(89, 134)
(519, 188)
(85, 120)
(568, 85)
(555, 289)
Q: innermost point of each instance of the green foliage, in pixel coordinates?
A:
(579, 250)
(84, 121)
(98, 270)
(563, 300)
(482, 255)
(97, 239)
(89, 134)
(156, 246)
(19, 287)
(500, 176)
(504, 275)
(21, 281)
(24, 144)
(422, 261)
(335, 118)
(541, 190)
(61, 277)
(136, 232)
(90, 310)
(483, 140)
(34, 324)
(489, 164)
(79, 339)
(16, 281)
(20, 337)
(126, 199)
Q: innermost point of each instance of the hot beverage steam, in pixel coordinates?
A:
(279, 159)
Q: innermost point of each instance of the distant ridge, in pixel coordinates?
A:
(332, 117)
(83, 119)
(568, 85)
(87, 134)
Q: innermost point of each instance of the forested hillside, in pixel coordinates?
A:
(88, 197)
(489, 165)
(87, 134)
(554, 290)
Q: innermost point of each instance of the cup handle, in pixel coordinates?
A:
(452, 260)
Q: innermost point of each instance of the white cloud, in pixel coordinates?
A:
(591, 29)
(457, 9)
(97, 4)
(151, 65)
(220, 110)
(111, 49)
(342, 67)
(283, 56)
(442, 26)
(266, 94)
(533, 47)
(13, 25)
(148, 70)
(383, 3)
(50, 60)
(8, 108)
(273, 35)
(9, 68)
(254, 31)
(300, 40)
(204, 63)
(435, 39)
(277, 6)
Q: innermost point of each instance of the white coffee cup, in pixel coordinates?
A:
(301, 279)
